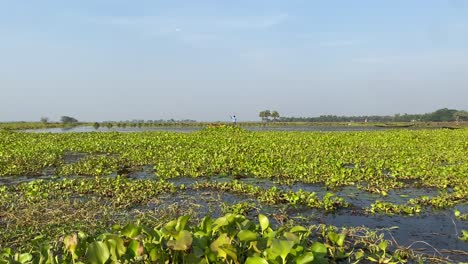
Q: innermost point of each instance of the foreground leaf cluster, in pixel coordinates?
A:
(227, 239)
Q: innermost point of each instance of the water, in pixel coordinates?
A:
(84, 129)
(73, 157)
(426, 233)
(439, 228)
(315, 128)
(187, 129)
(198, 202)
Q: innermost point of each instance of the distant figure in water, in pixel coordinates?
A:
(234, 119)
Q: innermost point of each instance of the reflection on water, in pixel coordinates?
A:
(82, 129)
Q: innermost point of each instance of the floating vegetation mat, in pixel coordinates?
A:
(227, 195)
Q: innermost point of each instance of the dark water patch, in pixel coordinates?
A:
(196, 201)
(403, 195)
(363, 199)
(441, 231)
(18, 179)
(349, 166)
(358, 198)
(46, 173)
(73, 157)
(140, 173)
(463, 208)
(265, 183)
(186, 181)
(307, 187)
(49, 171)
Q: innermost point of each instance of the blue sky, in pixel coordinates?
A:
(206, 60)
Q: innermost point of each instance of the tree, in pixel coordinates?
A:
(68, 120)
(441, 115)
(461, 115)
(265, 115)
(44, 120)
(275, 115)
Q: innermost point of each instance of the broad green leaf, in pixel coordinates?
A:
(383, 245)
(119, 244)
(135, 248)
(206, 224)
(182, 222)
(359, 254)
(297, 229)
(247, 236)
(320, 252)
(318, 247)
(229, 250)
(291, 237)
(223, 239)
(131, 231)
(154, 254)
(97, 253)
(341, 240)
(199, 245)
(305, 258)
(337, 239)
(169, 228)
(25, 257)
(281, 248)
(220, 222)
(7, 252)
(264, 222)
(256, 260)
(112, 245)
(183, 241)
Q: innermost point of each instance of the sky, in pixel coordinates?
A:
(206, 60)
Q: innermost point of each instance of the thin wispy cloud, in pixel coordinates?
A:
(252, 23)
(147, 25)
(339, 43)
(165, 25)
(417, 59)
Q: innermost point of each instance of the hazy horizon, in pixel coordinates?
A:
(56, 118)
(99, 60)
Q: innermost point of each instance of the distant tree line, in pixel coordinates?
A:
(441, 115)
(267, 114)
(68, 120)
(64, 120)
(144, 123)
